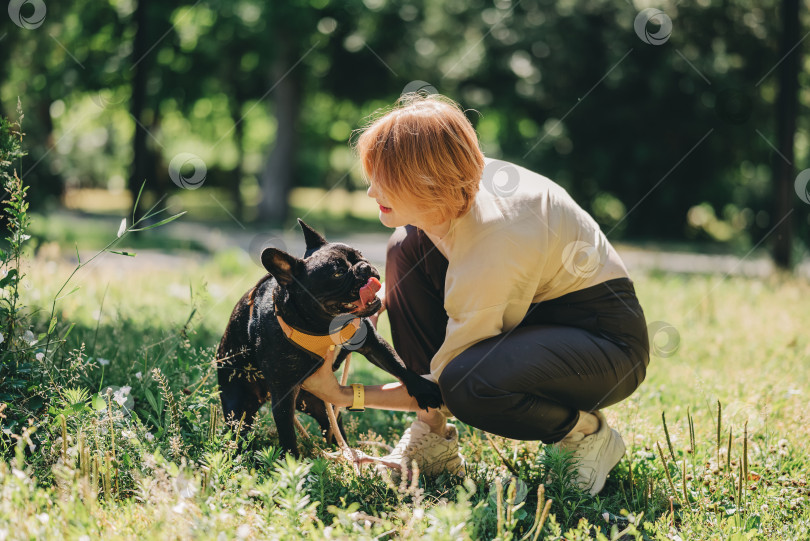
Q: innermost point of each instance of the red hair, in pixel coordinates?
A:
(424, 152)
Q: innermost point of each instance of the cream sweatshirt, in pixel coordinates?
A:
(524, 240)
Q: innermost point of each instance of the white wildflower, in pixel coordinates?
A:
(149, 436)
(243, 531)
(29, 337)
(120, 395)
(138, 376)
(40, 356)
(103, 362)
(43, 518)
(606, 516)
(122, 228)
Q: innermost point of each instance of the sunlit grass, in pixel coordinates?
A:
(739, 342)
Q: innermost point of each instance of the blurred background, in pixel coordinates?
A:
(680, 126)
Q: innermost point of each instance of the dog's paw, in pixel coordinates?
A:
(426, 393)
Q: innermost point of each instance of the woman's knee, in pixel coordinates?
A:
(459, 394)
(473, 399)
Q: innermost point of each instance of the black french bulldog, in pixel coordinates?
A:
(257, 362)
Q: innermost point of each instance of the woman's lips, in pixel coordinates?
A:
(385, 209)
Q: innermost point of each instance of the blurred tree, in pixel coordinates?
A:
(140, 64)
(288, 26)
(786, 110)
(47, 64)
(659, 141)
(28, 39)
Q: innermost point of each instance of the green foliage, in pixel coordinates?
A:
(20, 377)
(567, 89)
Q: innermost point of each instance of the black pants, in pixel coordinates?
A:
(583, 351)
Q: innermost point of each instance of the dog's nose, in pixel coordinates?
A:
(366, 271)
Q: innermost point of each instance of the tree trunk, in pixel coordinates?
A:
(138, 169)
(786, 110)
(236, 184)
(279, 170)
(238, 135)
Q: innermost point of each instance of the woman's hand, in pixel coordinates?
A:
(325, 386)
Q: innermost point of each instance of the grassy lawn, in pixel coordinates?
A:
(162, 466)
(91, 216)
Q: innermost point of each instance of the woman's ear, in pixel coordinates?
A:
(281, 265)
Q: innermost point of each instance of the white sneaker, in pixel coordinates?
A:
(433, 454)
(596, 454)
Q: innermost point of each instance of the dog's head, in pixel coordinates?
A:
(332, 278)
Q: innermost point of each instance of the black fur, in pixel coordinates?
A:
(256, 362)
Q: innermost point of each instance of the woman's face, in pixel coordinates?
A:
(392, 214)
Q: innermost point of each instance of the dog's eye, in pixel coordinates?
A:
(340, 273)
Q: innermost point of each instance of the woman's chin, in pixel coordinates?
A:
(388, 220)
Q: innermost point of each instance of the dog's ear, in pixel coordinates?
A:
(281, 265)
(313, 238)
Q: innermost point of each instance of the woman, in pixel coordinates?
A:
(501, 289)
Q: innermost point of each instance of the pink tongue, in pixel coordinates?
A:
(369, 291)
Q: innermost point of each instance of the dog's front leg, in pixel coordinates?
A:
(380, 353)
(283, 401)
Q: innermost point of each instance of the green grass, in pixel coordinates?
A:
(165, 467)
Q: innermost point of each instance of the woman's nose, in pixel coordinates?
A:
(371, 192)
